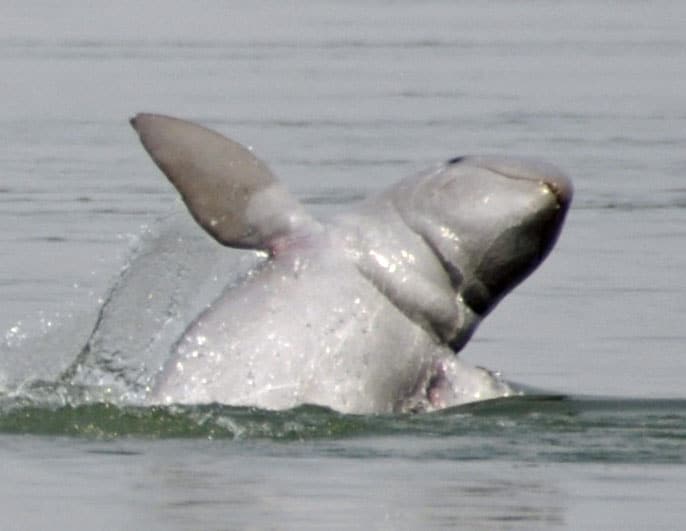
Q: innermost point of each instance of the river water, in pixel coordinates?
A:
(342, 100)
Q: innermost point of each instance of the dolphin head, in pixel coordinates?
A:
(489, 220)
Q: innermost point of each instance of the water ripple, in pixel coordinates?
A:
(530, 428)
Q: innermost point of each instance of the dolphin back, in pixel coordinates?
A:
(230, 192)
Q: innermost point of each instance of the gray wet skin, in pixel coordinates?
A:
(364, 314)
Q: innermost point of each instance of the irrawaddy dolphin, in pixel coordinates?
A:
(363, 314)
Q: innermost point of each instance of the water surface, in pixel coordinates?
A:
(343, 100)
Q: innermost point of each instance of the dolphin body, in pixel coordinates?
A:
(366, 313)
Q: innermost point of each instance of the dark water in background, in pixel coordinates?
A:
(342, 101)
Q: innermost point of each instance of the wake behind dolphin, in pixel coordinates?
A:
(363, 314)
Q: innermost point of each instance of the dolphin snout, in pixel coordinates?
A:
(561, 187)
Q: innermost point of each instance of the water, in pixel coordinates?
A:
(343, 100)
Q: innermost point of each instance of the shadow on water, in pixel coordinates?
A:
(552, 428)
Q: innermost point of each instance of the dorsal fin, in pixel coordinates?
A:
(230, 192)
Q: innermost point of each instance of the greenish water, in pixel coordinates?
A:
(529, 428)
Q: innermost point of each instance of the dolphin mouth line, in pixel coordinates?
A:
(560, 187)
(455, 276)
